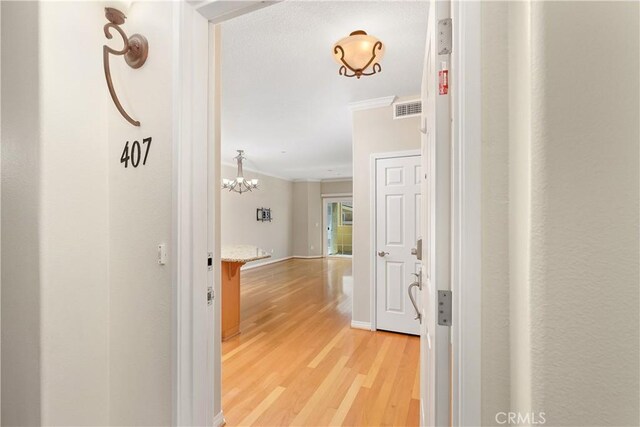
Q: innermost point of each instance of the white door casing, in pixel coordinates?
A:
(398, 226)
(190, 387)
(436, 256)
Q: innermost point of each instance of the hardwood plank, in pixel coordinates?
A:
(253, 416)
(373, 372)
(325, 387)
(297, 361)
(344, 407)
(314, 363)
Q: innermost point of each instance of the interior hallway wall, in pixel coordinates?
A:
(140, 215)
(374, 131)
(307, 219)
(20, 193)
(239, 224)
(337, 187)
(585, 212)
(495, 363)
(564, 135)
(86, 316)
(74, 282)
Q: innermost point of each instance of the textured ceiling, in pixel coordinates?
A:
(283, 101)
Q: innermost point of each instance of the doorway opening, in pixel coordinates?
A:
(297, 354)
(338, 227)
(465, 237)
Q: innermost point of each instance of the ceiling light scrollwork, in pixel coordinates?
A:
(358, 55)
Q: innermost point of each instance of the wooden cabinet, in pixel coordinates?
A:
(230, 299)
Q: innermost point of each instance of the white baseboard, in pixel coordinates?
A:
(262, 264)
(218, 420)
(308, 257)
(361, 325)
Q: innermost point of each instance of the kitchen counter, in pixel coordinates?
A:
(243, 253)
(233, 257)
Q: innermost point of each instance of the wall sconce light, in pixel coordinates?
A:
(135, 51)
(358, 52)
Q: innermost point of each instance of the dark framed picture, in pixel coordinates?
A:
(263, 214)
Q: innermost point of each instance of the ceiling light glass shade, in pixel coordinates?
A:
(239, 184)
(358, 55)
(122, 5)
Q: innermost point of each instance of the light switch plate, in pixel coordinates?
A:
(162, 254)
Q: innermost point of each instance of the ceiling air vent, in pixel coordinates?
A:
(402, 110)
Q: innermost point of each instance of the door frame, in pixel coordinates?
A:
(466, 240)
(190, 388)
(325, 202)
(373, 218)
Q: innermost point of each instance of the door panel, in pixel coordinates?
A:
(397, 225)
(436, 202)
(394, 220)
(393, 292)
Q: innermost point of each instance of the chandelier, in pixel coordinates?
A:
(239, 184)
(358, 53)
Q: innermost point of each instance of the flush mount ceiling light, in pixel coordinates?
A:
(358, 53)
(239, 184)
(135, 51)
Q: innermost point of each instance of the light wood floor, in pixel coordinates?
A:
(298, 361)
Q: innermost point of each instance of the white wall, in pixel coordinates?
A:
(307, 219)
(74, 217)
(374, 131)
(337, 187)
(140, 209)
(239, 224)
(564, 134)
(300, 219)
(584, 220)
(86, 316)
(495, 368)
(20, 250)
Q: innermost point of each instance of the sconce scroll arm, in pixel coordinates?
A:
(106, 50)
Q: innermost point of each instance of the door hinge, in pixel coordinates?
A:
(444, 308)
(445, 39)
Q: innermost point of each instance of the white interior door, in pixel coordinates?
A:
(398, 222)
(435, 340)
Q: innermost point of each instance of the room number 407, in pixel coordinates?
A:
(134, 153)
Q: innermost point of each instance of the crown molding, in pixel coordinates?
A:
(306, 180)
(367, 104)
(342, 179)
